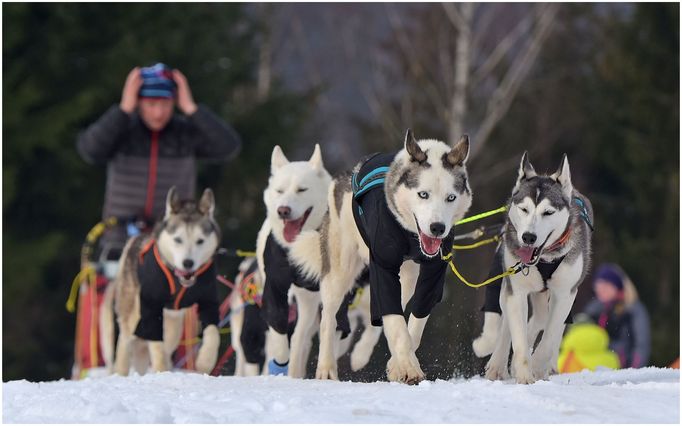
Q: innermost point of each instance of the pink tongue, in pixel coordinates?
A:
(430, 245)
(525, 253)
(292, 228)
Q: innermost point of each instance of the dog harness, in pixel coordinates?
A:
(160, 288)
(390, 245)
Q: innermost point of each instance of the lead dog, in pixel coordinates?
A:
(549, 230)
(160, 275)
(394, 207)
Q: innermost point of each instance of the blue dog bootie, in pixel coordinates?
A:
(276, 369)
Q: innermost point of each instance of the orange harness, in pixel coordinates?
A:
(151, 244)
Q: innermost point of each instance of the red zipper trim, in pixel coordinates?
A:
(151, 180)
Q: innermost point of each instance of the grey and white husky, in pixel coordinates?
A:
(159, 276)
(426, 191)
(549, 231)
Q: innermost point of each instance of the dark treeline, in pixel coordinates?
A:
(604, 89)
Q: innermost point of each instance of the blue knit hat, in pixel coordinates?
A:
(157, 82)
(611, 273)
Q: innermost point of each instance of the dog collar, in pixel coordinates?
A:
(563, 239)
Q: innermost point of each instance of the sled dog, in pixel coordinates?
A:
(548, 230)
(160, 275)
(392, 207)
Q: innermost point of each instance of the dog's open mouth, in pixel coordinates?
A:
(528, 254)
(429, 245)
(186, 277)
(293, 227)
(531, 255)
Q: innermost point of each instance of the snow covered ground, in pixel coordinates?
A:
(650, 395)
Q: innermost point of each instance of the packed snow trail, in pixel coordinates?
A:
(649, 395)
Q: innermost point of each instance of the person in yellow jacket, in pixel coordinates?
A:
(586, 345)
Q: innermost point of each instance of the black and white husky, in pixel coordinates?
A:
(394, 207)
(549, 230)
(160, 275)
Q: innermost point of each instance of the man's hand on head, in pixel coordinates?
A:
(131, 89)
(185, 101)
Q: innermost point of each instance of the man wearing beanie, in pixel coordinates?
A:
(617, 309)
(149, 148)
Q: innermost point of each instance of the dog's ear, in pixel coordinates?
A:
(460, 152)
(172, 202)
(207, 203)
(316, 159)
(412, 148)
(278, 159)
(526, 171)
(563, 177)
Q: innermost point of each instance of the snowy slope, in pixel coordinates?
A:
(648, 395)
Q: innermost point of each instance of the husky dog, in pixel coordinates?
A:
(160, 275)
(295, 200)
(393, 207)
(248, 329)
(548, 231)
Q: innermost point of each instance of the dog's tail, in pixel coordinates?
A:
(106, 326)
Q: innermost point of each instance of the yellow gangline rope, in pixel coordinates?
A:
(477, 244)
(481, 215)
(510, 271)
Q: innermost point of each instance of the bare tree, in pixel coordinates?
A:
(461, 62)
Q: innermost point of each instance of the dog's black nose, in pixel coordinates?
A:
(284, 212)
(529, 238)
(437, 229)
(188, 263)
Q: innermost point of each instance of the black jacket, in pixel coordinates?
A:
(390, 245)
(157, 292)
(134, 155)
(280, 274)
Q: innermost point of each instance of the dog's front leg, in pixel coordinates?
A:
(307, 303)
(538, 320)
(496, 368)
(208, 353)
(415, 327)
(157, 355)
(516, 311)
(547, 352)
(403, 365)
(332, 292)
(123, 353)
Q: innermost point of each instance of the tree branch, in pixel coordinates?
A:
(506, 91)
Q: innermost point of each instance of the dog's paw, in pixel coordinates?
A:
(276, 369)
(483, 345)
(496, 372)
(326, 371)
(523, 373)
(404, 370)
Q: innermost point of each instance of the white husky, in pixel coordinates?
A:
(394, 207)
(548, 230)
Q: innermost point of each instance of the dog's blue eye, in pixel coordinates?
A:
(200, 241)
(301, 189)
(451, 198)
(548, 213)
(178, 240)
(423, 194)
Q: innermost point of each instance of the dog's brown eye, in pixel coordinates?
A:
(280, 191)
(178, 240)
(200, 241)
(301, 189)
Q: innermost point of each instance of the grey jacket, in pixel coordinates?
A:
(142, 165)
